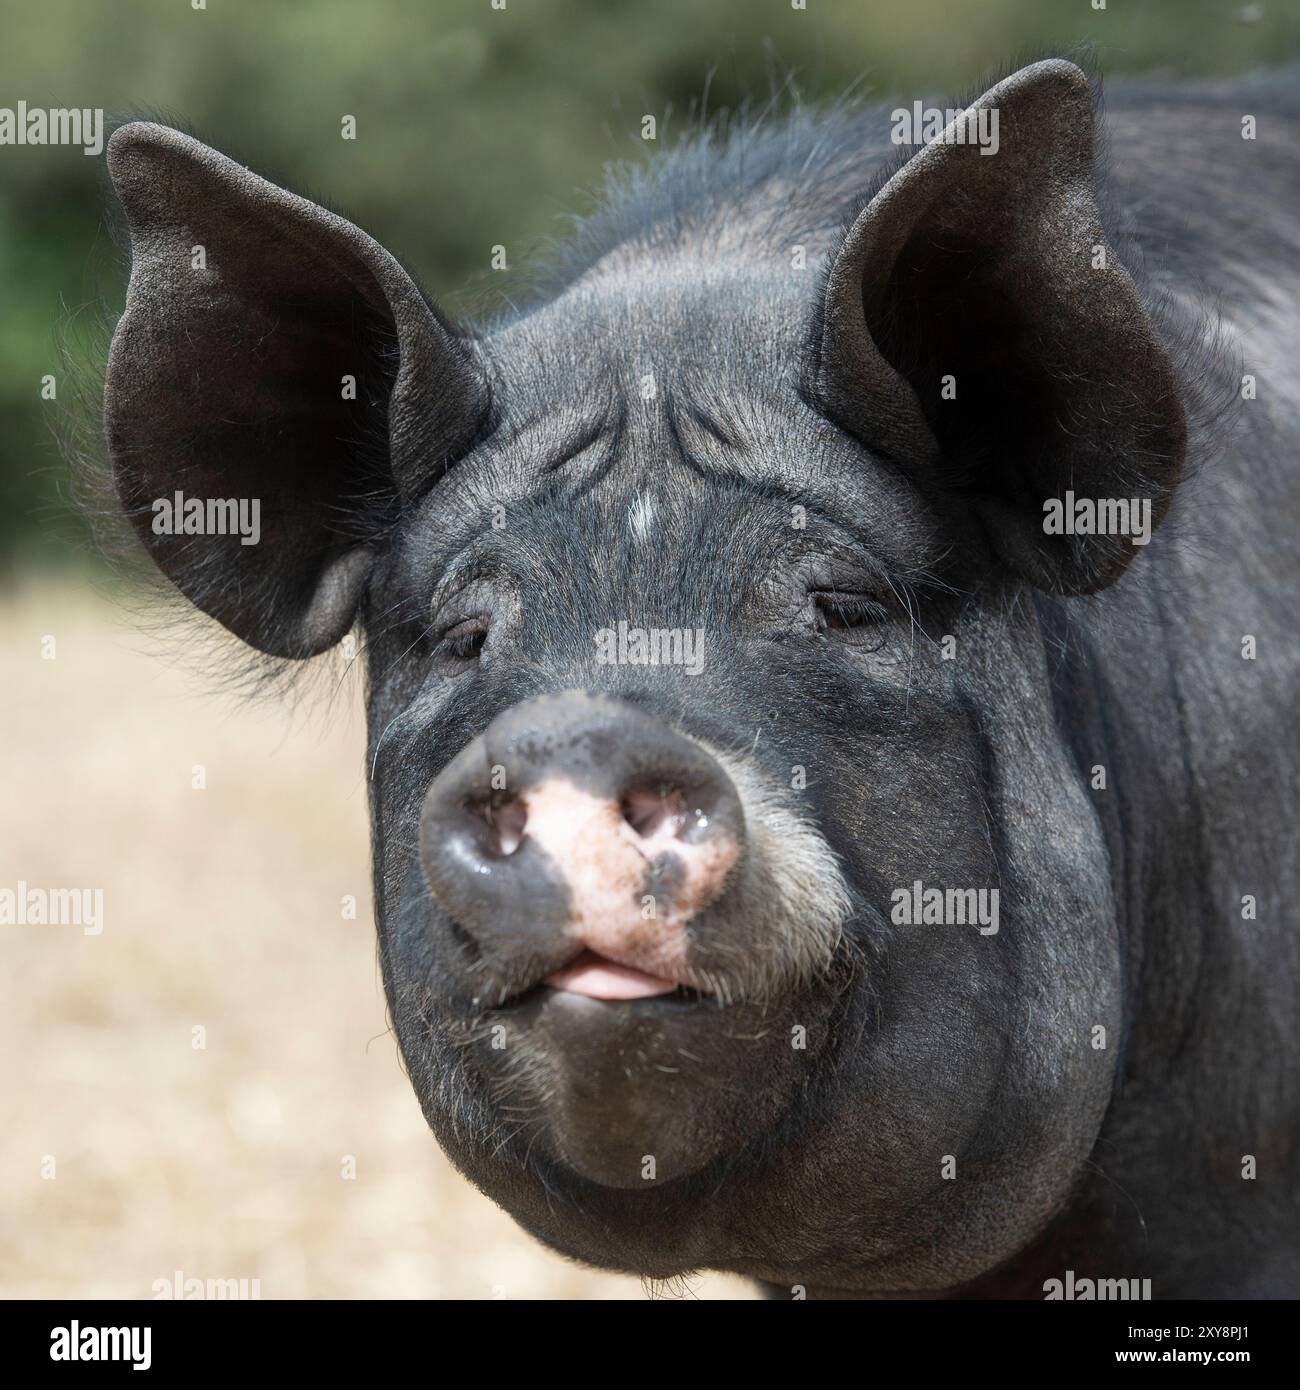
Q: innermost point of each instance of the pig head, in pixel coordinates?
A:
(660, 580)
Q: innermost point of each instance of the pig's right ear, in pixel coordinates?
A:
(270, 352)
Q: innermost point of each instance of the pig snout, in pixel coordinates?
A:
(575, 842)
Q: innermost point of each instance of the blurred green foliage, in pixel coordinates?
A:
(476, 125)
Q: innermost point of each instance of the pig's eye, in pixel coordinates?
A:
(838, 612)
(461, 644)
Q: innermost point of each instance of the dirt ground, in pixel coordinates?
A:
(128, 1151)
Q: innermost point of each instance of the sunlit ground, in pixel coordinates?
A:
(127, 1153)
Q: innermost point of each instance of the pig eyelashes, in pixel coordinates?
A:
(837, 611)
(460, 645)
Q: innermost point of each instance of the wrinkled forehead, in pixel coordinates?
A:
(664, 410)
(655, 492)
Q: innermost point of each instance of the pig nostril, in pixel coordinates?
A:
(505, 820)
(648, 809)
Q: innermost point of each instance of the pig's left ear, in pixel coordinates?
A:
(270, 352)
(978, 330)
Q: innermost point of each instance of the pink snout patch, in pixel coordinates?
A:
(610, 852)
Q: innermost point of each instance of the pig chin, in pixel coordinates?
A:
(633, 1095)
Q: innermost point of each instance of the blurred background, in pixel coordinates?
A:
(128, 1153)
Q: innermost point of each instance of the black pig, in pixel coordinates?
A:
(800, 849)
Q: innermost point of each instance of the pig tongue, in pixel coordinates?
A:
(598, 978)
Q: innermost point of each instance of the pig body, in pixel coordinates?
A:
(712, 615)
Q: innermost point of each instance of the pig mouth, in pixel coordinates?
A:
(598, 977)
(580, 972)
